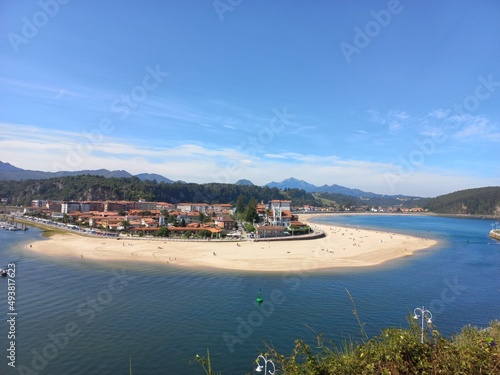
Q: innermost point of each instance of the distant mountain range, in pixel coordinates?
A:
(10, 172)
(293, 183)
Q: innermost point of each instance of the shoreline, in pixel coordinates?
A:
(340, 248)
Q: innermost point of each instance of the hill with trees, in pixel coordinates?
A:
(479, 201)
(90, 187)
(344, 200)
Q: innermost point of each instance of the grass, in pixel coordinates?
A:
(399, 351)
(52, 232)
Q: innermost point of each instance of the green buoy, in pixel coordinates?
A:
(259, 298)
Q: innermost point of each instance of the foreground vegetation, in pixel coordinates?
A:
(395, 351)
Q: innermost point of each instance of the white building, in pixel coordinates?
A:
(67, 207)
(280, 212)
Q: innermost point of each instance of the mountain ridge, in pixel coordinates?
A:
(11, 172)
(294, 183)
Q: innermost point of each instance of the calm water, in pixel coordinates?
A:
(81, 318)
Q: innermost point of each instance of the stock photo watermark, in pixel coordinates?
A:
(58, 341)
(256, 143)
(293, 280)
(121, 106)
(224, 6)
(255, 319)
(363, 36)
(31, 26)
(11, 314)
(448, 295)
(426, 147)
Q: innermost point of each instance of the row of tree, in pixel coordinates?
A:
(95, 188)
(480, 201)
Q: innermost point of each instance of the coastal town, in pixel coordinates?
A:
(184, 220)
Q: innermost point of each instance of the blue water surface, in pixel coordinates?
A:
(78, 317)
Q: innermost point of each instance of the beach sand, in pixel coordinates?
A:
(341, 247)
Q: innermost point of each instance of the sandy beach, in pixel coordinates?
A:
(341, 247)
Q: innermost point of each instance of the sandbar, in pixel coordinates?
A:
(342, 247)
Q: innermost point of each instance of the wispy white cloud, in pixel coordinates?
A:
(395, 120)
(194, 163)
(43, 90)
(461, 127)
(49, 149)
(478, 128)
(275, 156)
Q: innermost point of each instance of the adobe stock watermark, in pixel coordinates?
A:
(255, 143)
(122, 106)
(58, 341)
(255, 318)
(247, 326)
(426, 147)
(448, 295)
(223, 6)
(363, 36)
(31, 25)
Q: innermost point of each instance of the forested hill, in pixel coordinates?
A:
(480, 201)
(87, 187)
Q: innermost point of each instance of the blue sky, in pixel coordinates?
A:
(393, 97)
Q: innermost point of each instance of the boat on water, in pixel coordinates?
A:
(12, 226)
(3, 273)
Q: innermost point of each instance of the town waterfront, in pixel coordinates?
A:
(89, 318)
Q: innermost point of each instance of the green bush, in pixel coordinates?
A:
(396, 351)
(399, 351)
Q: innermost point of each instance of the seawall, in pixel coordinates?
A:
(495, 234)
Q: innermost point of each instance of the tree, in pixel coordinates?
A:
(202, 218)
(125, 224)
(240, 204)
(251, 211)
(162, 232)
(205, 233)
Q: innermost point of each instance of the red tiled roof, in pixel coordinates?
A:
(270, 227)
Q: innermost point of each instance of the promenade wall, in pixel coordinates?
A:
(495, 234)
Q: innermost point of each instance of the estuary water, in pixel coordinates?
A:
(77, 317)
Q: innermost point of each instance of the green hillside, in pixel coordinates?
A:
(480, 201)
(95, 188)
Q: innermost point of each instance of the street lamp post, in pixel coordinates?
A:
(424, 314)
(261, 368)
